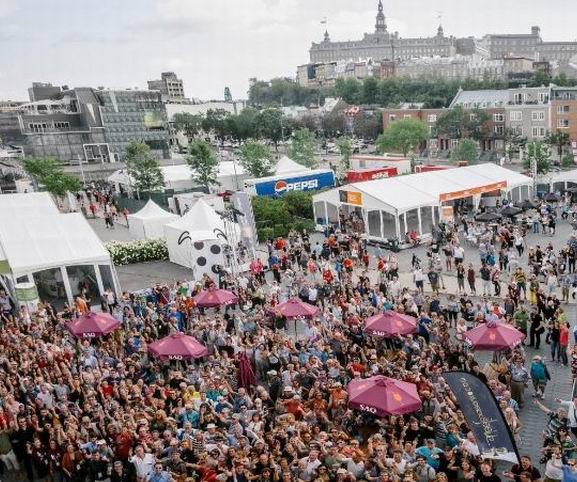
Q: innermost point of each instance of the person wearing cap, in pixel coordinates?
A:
(430, 452)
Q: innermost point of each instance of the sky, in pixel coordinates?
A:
(211, 44)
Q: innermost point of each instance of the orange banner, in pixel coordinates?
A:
(451, 196)
(351, 197)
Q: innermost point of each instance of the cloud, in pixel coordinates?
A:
(7, 8)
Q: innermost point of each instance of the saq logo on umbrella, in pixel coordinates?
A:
(366, 408)
(89, 335)
(282, 186)
(175, 357)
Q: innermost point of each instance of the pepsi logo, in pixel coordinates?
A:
(280, 186)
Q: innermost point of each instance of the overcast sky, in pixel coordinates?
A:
(213, 43)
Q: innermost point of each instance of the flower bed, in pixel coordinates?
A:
(131, 252)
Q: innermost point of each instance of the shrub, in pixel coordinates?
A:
(132, 252)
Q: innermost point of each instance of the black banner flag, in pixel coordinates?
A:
(483, 415)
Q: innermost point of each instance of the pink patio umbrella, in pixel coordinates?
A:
(494, 335)
(214, 297)
(390, 324)
(383, 396)
(93, 325)
(295, 308)
(177, 346)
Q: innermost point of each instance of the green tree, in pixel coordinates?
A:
(41, 167)
(466, 150)
(370, 91)
(514, 142)
(246, 124)
(271, 124)
(299, 204)
(227, 95)
(459, 124)
(303, 147)
(215, 122)
(59, 183)
(568, 160)
(350, 90)
(49, 173)
(143, 168)
(538, 156)
(368, 126)
(404, 135)
(203, 163)
(256, 158)
(559, 140)
(345, 146)
(189, 124)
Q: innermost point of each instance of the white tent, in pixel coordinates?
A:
(193, 242)
(149, 222)
(285, 165)
(54, 251)
(394, 206)
(179, 177)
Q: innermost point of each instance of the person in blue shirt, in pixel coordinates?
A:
(159, 474)
(430, 452)
(570, 471)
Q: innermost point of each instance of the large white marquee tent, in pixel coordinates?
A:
(57, 252)
(394, 206)
(149, 222)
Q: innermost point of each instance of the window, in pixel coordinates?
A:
(392, 117)
(433, 143)
(62, 125)
(538, 132)
(538, 115)
(516, 115)
(543, 97)
(498, 117)
(454, 143)
(499, 144)
(517, 130)
(472, 117)
(518, 98)
(432, 117)
(37, 126)
(499, 130)
(562, 122)
(562, 109)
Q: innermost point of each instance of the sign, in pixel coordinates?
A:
(351, 197)
(88, 335)
(475, 191)
(310, 182)
(447, 214)
(483, 415)
(175, 357)
(371, 174)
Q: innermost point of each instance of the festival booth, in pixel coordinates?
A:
(178, 178)
(48, 255)
(390, 208)
(196, 240)
(149, 222)
(290, 176)
(557, 181)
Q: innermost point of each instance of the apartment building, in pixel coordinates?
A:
(564, 110)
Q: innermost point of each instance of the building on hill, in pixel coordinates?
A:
(382, 44)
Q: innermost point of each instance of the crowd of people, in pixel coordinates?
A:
(104, 409)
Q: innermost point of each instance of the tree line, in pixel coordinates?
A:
(433, 93)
